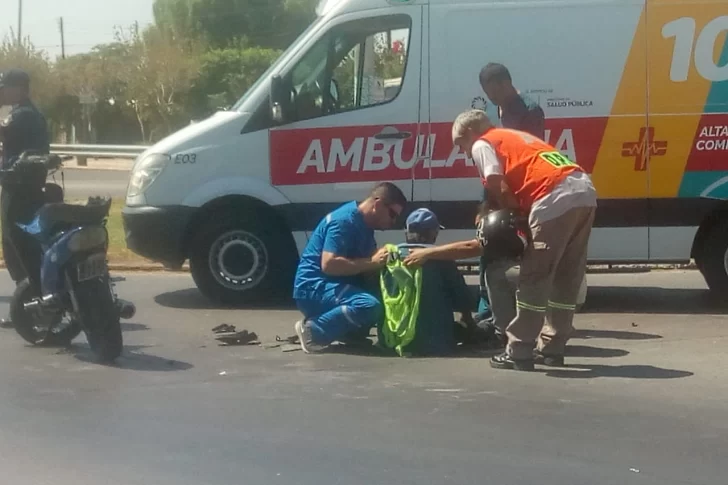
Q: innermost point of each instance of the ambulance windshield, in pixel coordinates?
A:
(239, 106)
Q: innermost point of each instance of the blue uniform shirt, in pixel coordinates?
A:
(344, 233)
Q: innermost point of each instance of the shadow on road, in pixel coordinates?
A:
(192, 299)
(587, 334)
(601, 299)
(5, 299)
(621, 371)
(134, 359)
(593, 352)
(625, 299)
(133, 327)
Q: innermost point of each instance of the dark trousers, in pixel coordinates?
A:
(20, 251)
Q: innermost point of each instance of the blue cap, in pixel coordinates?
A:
(422, 220)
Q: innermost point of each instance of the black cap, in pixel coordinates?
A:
(14, 78)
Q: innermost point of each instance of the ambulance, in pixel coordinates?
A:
(635, 91)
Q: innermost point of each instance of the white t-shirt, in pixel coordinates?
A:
(576, 190)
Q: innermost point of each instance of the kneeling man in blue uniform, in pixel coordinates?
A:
(330, 283)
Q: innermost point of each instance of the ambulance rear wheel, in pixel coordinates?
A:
(237, 260)
(713, 262)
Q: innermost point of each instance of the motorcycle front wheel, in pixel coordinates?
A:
(43, 330)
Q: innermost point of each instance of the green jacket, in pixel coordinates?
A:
(401, 289)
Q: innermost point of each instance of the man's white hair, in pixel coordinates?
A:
(474, 119)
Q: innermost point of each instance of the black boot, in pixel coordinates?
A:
(548, 360)
(504, 361)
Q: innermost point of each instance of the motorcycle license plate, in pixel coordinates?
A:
(93, 267)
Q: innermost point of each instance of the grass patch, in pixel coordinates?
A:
(118, 252)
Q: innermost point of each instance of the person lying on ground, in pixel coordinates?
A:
(329, 283)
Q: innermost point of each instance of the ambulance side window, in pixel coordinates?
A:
(356, 65)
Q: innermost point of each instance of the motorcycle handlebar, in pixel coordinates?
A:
(29, 159)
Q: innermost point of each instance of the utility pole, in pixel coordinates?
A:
(20, 22)
(63, 39)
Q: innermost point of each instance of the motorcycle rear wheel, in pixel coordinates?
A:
(33, 328)
(100, 317)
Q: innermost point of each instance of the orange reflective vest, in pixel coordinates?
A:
(531, 166)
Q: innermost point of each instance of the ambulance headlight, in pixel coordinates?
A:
(145, 172)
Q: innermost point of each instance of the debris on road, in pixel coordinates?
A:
(224, 328)
(286, 344)
(228, 335)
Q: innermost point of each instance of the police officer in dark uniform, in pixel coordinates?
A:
(24, 129)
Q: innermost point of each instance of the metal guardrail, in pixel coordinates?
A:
(98, 151)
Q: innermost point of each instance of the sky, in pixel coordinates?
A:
(86, 22)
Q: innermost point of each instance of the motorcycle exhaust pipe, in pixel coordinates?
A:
(37, 305)
(127, 309)
(32, 306)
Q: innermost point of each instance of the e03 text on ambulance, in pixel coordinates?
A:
(635, 91)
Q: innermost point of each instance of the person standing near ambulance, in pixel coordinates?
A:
(524, 173)
(518, 112)
(24, 129)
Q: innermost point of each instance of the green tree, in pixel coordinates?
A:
(262, 23)
(225, 75)
(35, 62)
(157, 75)
(96, 75)
(177, 18)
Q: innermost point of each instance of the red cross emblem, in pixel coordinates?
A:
(644, 148)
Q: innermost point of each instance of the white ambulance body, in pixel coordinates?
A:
(635, 91)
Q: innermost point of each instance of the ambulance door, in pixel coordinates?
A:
(353, 118)
(567, 59)
(621, 167)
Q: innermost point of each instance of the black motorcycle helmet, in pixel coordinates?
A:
(503, 234)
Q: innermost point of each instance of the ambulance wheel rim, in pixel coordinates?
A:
(238, 260)
(725, 261)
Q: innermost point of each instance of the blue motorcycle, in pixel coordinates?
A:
(63, 249)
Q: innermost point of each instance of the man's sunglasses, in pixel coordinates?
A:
(393, 214)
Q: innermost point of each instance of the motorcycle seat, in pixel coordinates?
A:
(92, 212)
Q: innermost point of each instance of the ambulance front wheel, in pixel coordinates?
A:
(237, 260)
(713, 258)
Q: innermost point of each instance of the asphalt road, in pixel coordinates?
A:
(82, 183)
(642, 401)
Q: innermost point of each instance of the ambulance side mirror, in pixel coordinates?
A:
(278, 100)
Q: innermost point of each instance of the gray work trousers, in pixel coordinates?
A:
(552, 271)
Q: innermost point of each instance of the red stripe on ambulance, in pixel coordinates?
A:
(354, 154)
